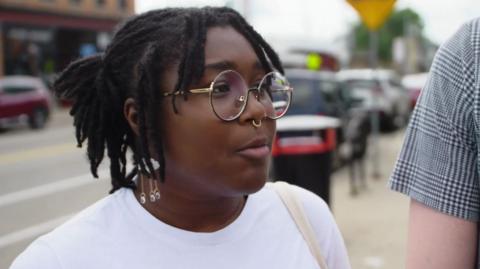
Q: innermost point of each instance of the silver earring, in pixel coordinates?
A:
(154, 192)
(143, 200)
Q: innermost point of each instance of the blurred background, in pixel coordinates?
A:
(357, 67)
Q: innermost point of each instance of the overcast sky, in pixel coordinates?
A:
(327, 20)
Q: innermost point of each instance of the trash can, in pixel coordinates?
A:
(302, 152)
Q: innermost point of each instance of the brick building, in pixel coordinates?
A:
(40, 37)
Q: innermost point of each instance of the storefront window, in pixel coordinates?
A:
(28, 51)
(75, 2)
(100, 3)
(122, 4)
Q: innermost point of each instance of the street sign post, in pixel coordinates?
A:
(374, 13)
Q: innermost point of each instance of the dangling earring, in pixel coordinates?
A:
(154, 192)
(143, 200)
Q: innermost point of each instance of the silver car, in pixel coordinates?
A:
(378, 90)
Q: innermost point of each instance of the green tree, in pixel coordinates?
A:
(396, 25)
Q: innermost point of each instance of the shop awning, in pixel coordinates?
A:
(52, 20)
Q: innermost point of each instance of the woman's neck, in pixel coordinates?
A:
(194, 213)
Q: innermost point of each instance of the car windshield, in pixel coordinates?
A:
(16, 89)
(357, 92)
(360, 89)
(362, 84)
(311, 96)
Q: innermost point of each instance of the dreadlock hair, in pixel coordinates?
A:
(142, 48)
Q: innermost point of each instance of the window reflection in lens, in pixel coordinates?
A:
(279, 94)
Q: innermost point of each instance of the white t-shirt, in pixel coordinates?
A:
(117, 232)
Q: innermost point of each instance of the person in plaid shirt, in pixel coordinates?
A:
(438, 166)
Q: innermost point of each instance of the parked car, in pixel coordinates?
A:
(377, 90)
(24, 96)
(317, 93)
(414, 84)
(320, 93)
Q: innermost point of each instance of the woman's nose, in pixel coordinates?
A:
(254, 109)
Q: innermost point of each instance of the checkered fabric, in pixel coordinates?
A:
(439, 162)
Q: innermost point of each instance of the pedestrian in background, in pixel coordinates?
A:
(438, 166)
(193, 95)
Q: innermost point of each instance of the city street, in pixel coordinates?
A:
(46, 179)
(374, 223)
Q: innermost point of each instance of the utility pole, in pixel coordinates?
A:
(374, 14)
(375, 117)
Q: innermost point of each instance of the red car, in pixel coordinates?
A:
(414, 83)
(24, 96)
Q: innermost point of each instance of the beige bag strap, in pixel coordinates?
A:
(285, 191)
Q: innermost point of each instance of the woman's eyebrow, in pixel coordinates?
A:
(220, 66)
(224, 65)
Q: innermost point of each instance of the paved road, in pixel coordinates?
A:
(45, 180)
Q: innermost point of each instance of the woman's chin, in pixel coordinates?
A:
(251, 184)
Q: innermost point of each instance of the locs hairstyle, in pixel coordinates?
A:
(131, 66)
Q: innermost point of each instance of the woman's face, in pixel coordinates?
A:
(205, 156)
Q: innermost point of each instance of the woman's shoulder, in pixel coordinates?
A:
(324, 226)
(313, 204)
(316, 209)
(79, 233)
(318, 213)
(97, 216)
(38, 253)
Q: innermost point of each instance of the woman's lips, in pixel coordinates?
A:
(255, 152)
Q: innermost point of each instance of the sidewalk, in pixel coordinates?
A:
(373, 223)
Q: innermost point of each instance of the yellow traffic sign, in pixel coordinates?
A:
(373, 12)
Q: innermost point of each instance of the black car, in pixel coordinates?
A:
(317, 93)
(321, 93)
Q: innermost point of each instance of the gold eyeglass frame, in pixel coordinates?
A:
(288, 89)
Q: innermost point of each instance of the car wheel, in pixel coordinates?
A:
(38, 118)
(387, 123)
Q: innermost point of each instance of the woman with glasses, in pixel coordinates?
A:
(191, 95)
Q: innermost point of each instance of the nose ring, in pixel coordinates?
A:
(257, 124)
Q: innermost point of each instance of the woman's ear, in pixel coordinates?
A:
(131, 114)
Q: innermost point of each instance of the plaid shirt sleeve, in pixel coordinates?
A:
(437, 165)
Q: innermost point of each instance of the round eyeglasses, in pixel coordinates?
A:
(229, 94)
